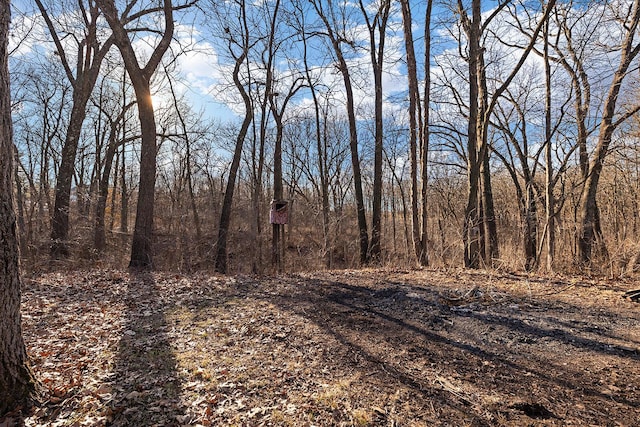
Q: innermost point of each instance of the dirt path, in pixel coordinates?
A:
(372, 347)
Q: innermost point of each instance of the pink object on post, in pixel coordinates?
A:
(279, 213)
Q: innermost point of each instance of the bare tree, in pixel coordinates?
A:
(18, 386)
(38, 135)
(330, 19)
(141, 75)
(88, 54)
(480, 232)
(239, 50)
(590, 238)
(377, 28)
(418, 128)
(320, 134)
(114, 142)
(520, 159)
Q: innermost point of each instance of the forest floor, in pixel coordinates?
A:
(336, 348)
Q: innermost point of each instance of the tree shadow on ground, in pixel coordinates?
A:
(419, 331)
(146, 381)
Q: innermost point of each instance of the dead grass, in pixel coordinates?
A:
(337, 348)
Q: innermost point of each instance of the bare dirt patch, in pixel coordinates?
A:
(372, 347)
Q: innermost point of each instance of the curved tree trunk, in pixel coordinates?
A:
(590, 237)
(141, 247)
(221, 265)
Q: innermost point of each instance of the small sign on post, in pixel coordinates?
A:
(279, 213)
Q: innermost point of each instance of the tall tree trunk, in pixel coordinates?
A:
(278, 194)
(423, 256)
(321, 147)
(479, 215)
(17, 384)
(590, 237)
(221, 265)
(489, 229)
(141, 246)
(548, 153)
(90, 56)
(60, 218)
(336, 42)
(188, 168)
(414, 131)
(471, 225)
(376, 53)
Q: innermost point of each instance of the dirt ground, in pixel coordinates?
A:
(339, 348)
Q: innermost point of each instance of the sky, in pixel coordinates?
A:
(205, 69)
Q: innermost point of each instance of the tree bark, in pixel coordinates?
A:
(423, 256)
(90, 55)
(376, 53)
(419, 237)
(471, 225)
(336, 42)
(590, 237)
(479, 217)
(18, 386)
(221, 265)
(548, 153)
(141, 247)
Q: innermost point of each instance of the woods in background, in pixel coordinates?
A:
(402, 133)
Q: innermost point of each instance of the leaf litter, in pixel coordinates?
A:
(338, 348)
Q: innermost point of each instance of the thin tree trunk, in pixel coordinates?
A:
(423, 256)
(99, 238)
(22, 236)
(549, 183)
(530, 221)
(124, 193)
(322, 155)
(188, 173)
(412, 76)
(471, 225)
(377, 61)
(221, 265)
(363, 233)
